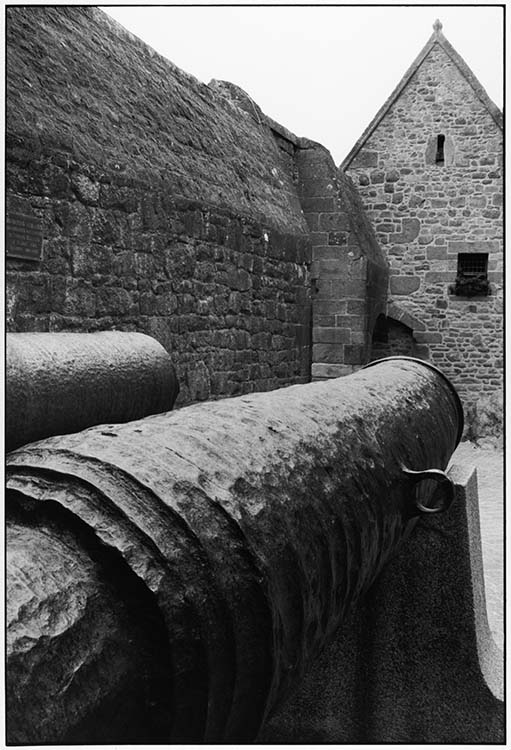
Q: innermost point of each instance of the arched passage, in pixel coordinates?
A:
(394, 335)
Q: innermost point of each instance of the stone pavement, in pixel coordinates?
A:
(489, 461)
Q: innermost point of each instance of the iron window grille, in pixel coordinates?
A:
(472, 276)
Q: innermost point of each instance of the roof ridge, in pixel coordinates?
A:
(470, 76)
(437, 37)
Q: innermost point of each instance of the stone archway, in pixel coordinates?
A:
(394, 335)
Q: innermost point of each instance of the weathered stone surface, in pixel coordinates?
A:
(392, 175)
(332, 352)
(404, 284)
(474, 246)
(485, 417)
(349, 269)
(436, 253)
(453, 205)
(355, 354)
(367, 158)
(160, 197)
(428, 337)
(411, 229)
(331, 335)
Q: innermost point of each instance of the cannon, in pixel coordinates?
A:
(59, 383)
(172, 578)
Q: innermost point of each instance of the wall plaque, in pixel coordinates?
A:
(23, 236)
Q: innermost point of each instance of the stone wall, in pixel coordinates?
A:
(393, 339)
(426, 213)
(167, 206)
(349, 272)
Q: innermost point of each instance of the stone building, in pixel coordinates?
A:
(429, 171)
(154, 202)
(174, 208)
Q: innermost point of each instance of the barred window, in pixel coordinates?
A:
(473, 264)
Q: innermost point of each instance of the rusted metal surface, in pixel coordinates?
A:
(255, 523)
(57, 383)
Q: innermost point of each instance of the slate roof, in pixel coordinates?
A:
(436, 38)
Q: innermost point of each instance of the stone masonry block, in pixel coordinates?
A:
(365, 158)
(355, 354)
(325, 321)
(480, 246)
(411, 229)
(438, 252)
(328, 353)
(314, 164)
(412, 323)
(392, 175)
(314, 188)
(325, 252)
(312, 219)
(354, 322)
(421, 351)
(318, 204)
(338, 238)
(323, 290)
(356, 306)
(428, 337)
(358, 337)
(333, 221)
(353, 288)
(339, 266)
(438, 276)
(319, 238)
(404, 284)
(329, 307)
(331, 335)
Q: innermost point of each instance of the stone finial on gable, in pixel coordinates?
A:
(437, 26)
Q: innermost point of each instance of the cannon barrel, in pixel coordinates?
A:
(57, 383)
(252, 524)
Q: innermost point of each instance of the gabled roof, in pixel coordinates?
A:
(436, 38)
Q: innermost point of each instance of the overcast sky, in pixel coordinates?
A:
(322, 72)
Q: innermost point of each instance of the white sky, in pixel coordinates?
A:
(322, 72)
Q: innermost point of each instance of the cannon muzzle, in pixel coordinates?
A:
(58, 383)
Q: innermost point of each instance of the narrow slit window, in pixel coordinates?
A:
(440, 156)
